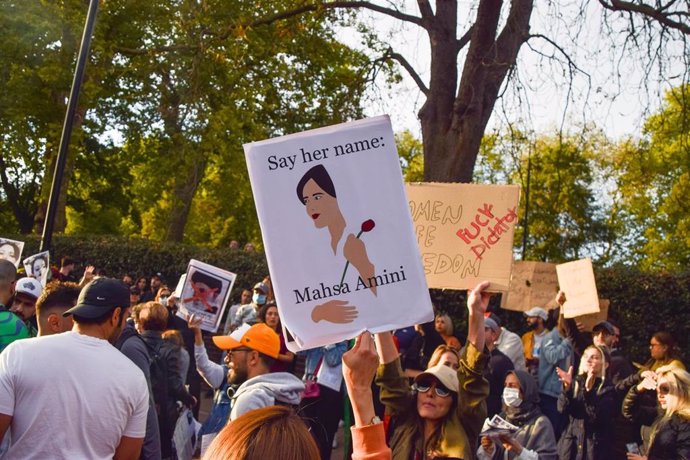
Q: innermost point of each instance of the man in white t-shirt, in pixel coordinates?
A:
(74, 395)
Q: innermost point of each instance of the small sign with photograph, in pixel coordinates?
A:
(204, 293)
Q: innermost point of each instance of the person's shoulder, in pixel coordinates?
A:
(12, 329)
(511, 336)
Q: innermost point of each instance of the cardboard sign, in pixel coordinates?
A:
(204, 292)
(38, 266)
(337, 232)
(576, 279)
(11, 250)
(532, 284)
(465, 232)
(591, 320)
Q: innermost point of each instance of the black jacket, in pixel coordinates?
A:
(589, 434)
(172, 389)
(671, 440)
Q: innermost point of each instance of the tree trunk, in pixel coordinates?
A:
(183, 193)
(452, 133)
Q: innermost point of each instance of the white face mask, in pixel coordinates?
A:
(511, 396)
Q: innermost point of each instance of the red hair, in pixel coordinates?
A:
(269, 432)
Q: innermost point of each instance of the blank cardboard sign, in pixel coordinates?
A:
(532, 284)
(589, 321)
(576, 279)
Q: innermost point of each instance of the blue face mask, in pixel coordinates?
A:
(259, 299)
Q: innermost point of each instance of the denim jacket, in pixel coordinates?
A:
(555, 351)
(332, 354)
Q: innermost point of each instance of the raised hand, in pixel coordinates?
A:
(591, 377)
(478, 299)
(194, 325)
(565, 377)
(360, 363)
(193, 322)
(334, 311)
(477, 302)
(648, 382)
(88, 275)
(560, 298)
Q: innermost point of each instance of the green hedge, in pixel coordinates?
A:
(142, 257)
(643, 303)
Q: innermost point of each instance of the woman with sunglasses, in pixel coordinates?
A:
(663, 351)
(443, 414)
(534, 438)
(670, 438)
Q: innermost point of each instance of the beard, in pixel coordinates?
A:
(237, 376)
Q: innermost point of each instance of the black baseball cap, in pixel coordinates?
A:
(604, 326)
(100, 296)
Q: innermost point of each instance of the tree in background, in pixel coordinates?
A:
(173, 90)
(568, 218)
(653, 178)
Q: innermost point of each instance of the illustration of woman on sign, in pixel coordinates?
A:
(316, 192)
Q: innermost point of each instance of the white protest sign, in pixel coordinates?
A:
(532, 284)
(204, 292)
(576, 280)
(38, 266)
(465, 232)
(11, 250)
(337, 232)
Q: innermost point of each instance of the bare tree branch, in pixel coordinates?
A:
(425, 9)
(465, 39)
(224, 34)
(404, 62)
(155, 50)
(571, 63)
(339, 4)
(659, 14)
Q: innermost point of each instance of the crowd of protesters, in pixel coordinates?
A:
(96, 367)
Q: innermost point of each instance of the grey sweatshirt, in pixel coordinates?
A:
(266, 390)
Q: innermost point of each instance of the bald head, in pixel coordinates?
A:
(8, 275)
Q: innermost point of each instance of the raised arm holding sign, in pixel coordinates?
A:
(576, 280)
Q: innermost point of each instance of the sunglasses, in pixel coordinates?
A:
(423, 387)
(663, 389)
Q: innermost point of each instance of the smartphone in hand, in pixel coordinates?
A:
(633, 448)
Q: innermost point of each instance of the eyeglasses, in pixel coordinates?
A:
(235, 350)
(423, 387)
(663, 389)
(652, 345)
